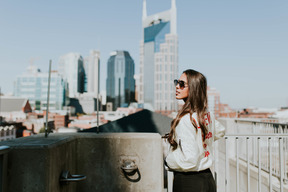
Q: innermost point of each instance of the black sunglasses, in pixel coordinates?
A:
(180, 82)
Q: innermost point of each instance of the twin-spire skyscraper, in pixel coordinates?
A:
(158, 59)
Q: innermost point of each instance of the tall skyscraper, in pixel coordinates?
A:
(92, 67)
(158, 59)
(34, 85)
(120, 85)
(72, 70)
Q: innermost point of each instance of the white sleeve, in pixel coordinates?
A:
(218, 128)
(186, 156)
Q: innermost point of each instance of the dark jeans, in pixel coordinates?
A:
(201, 181)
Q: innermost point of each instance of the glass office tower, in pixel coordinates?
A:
(71, 68)
(34, 85)
(120, 84)
(92, 67)
(158, 60)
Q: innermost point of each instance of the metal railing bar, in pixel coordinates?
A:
(262, 168)
(226, 166)
(260, 122)
(281, 163)
(266, 166)
(248, 164)
(237, 165)
(259, 165)
(285, 157)
(270, 165)
(256, 135)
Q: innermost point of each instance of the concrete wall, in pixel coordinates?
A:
(35, 163)
(100, 158)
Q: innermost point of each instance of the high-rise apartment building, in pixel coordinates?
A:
(214, 101)
(34, 85)
(158, 59)
(92, 68)
(72, 70)
(120, 84)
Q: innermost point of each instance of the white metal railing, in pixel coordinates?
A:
(258, 145)
(7, 133)
(267, 153)
(254, 155)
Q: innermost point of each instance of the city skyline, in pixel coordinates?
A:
(241, 47)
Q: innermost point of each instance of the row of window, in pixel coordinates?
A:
(165, 67)
(165, 77)
(37, 79)
(166, 96)
(165, 106)
(166, 87)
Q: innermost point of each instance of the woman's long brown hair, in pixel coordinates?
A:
(195, 102)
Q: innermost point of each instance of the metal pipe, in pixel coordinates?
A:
(226, 166)
(248, 164)
(253, 121)
(47, 105)
(281, 163)
(270, 165)
(237, 166)
(98, 97)
(256, 135)
(0, 102)
(259, 165)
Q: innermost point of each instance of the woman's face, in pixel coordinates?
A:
(182, 92)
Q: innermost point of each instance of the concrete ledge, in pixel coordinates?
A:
(35, 163)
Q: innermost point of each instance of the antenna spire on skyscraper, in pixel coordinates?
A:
(144, 12)
(173, 4)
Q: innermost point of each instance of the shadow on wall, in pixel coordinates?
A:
(142, 121)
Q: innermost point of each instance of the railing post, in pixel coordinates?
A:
(237, 166)
(270, 166)
(226, 166)
(248, 164)
(259, 165)
(170, 176)
(281, 163)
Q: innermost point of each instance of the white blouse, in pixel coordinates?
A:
(192, 154)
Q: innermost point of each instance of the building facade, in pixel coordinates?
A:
(71, 68)
(214, 101)
(120, 84)
(158, 59)
(92, 68)
(34, 85)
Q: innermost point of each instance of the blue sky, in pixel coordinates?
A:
(241, 46)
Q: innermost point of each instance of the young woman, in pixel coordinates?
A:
(192, 135)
